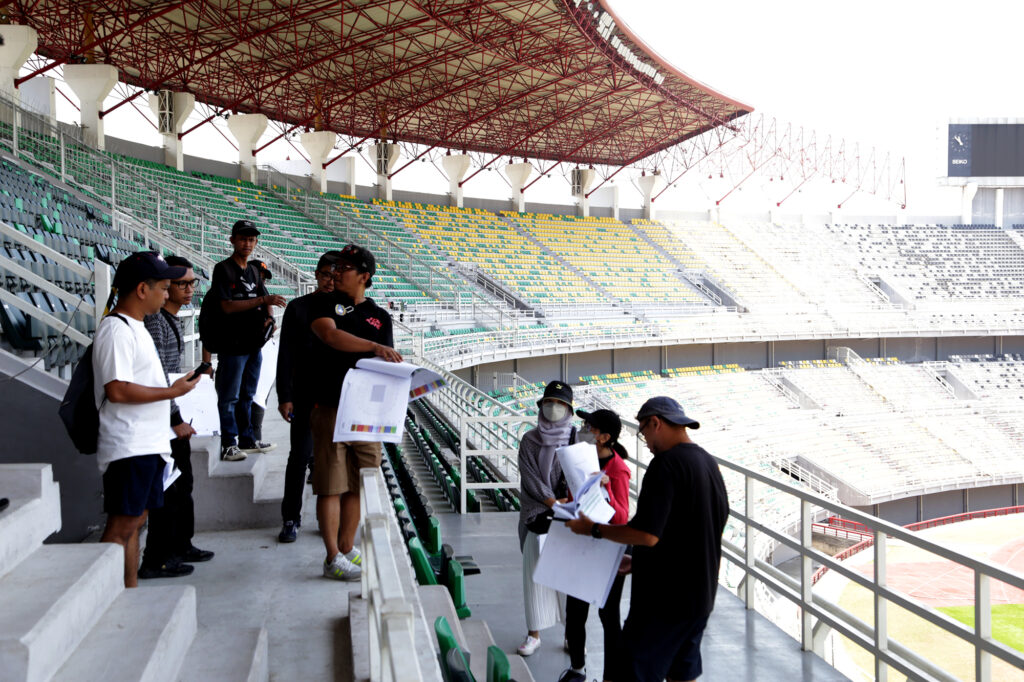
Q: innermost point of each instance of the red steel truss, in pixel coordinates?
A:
(560, 80)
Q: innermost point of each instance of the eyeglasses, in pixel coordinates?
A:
(323, 273)
(184, 284)
(640, 430)
(342, 269)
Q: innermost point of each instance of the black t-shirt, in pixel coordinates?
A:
(242, 333)
(366, 320)
(295, 362)
(683, 501)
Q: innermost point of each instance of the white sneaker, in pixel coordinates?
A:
(355, 556)
(231, 453)
(340, 568)
(528, 646)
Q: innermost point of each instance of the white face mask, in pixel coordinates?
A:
(554, 411)
(587, 436)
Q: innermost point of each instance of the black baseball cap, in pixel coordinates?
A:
(143, 265)
(668, 409)
(605, 421)
(359, 257)
(244, 228)
(329, 259)
(558, 390)
(262, 267)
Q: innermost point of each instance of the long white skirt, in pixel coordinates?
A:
(544, 606)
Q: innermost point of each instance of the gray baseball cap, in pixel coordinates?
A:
(668, 409)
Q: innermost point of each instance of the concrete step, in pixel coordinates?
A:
(51, 600)
(33, 514)
(143, 636)
(238, 655)
(237, 495)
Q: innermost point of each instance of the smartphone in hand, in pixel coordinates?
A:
(199, 371)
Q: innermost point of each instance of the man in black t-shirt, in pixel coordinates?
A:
(677, 539)
(349, 327)
(245, 306)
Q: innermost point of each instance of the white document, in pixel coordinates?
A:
(592, 501)
(199, 406)
(171, 474)
(578, 565)
(579, 462)
(268, 373)
(374, 398)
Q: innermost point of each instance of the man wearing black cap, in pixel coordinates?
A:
(245, 304)
(134, 403)
(295, 376)
(349, 327)
(677, 539)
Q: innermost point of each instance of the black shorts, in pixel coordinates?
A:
(656, 648)
(133, 485)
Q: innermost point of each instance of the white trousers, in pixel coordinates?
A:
(544, 606)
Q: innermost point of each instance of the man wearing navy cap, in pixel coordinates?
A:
(134, 403)
(677, 539)
(245, 304)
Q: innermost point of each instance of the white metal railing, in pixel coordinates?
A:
(391, 612)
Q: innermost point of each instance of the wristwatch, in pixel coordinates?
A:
(595, 531)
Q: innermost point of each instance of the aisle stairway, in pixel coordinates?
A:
(67, 615)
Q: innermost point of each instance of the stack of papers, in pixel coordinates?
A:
(591, 500)
(375, 396)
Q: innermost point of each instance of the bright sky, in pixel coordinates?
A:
(886, 74)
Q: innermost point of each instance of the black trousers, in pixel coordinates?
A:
(172, 526)
(299, 457)
(576, 612)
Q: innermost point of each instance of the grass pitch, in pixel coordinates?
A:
(1007, 622)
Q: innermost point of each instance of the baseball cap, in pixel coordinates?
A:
(605, 421)
(244, 228)
(263, 269)
(143, 265)
(668, 409)
(359, 257)
(329, 259)
(557, 390)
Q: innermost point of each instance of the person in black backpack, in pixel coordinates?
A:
(134, 403)
(169, 549)
(245, 304)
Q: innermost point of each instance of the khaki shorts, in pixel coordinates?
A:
(336, 465)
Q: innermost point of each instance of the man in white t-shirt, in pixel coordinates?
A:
(134, 403)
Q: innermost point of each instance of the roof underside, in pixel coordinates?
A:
(523, 78)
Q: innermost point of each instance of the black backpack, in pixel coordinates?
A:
(211, 323)
(78, 409)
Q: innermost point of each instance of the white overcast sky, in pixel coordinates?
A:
(885, 74)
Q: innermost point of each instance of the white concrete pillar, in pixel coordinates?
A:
(455, 165)
(967, 202)
(648, 185)
(318, 144)
(347, 168)
(615, 201)
(835, 217)
(40, 95)
(518, 174)
(385, 156)
(91, 83)
(901, 217)
(247, 129)
(170, 123)
(20, 42)
(582, 179)
(999, 207)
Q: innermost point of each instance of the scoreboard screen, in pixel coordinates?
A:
(986, 150)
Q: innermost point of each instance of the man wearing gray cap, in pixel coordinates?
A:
(677, 538)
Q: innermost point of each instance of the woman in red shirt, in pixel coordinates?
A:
(602, 428)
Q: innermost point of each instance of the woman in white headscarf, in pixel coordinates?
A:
(541, 485)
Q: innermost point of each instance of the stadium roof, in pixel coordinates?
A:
(552, 79)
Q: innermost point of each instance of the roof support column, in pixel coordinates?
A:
(318, 144)
(39, 94)
(172, 109)
(582, 179)
(518, 174)
(615, 202)
(455, 165)
(347, 164)
(648, 183)
(247, 130)
(385, 156)
(19, 43)
(91, 83)
(967, 202)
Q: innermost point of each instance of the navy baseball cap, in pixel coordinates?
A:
(359, 257)
(557, 390)
(143, 265)
(668, 409)
(244, 228)
(605, 421)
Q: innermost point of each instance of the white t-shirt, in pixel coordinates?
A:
(126, 352)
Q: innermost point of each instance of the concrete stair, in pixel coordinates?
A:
(238, 495)
(67, 616)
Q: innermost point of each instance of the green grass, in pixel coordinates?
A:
(1007, 621)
